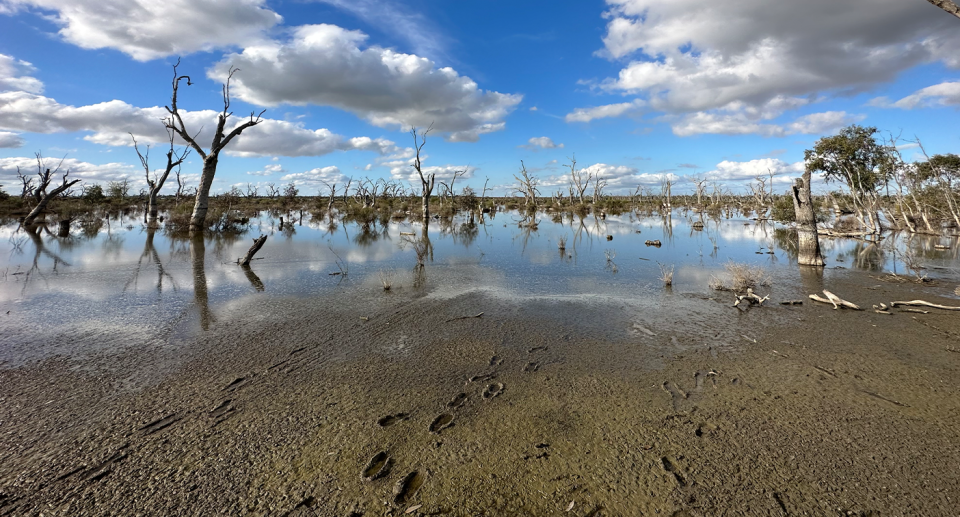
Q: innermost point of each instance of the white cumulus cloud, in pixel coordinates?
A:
(150, 29)
(943, 94)
(329, 66)
(542, 142)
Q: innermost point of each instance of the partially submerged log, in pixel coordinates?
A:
(750, 298)
(257, 244)
(921, 303)
(834, 300)
(653, 243)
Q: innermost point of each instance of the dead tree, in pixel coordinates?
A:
(156, 183)
(426, 181)
(666, 184)
(947, 6)
(579, 180)
(809, 242)
(333, 194)
(220, 141)
(598, 185)
(257, 244)
(528, 186)
(27, 185)
(40, 192)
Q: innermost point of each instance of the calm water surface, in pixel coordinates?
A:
(122, 285)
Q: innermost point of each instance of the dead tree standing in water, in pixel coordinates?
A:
(40, 192)
(210, 158)
(809, 242)
(427, 180)
(155, 184)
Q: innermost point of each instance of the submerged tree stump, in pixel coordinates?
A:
(809, 242)
(257, 244)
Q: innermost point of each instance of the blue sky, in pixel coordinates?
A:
(726, 89)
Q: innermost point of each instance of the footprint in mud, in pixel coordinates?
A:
(480, 378)
(700, 378)
(238, 383)
(458, 401)
(441, 422)
(496, 360)
(536, 349)
(101, 470)
(405, 489)
(531, 367)
(493, 390)
(389, 420)
(671, 467)
(222, 412)
(159, 425)
(378, 466)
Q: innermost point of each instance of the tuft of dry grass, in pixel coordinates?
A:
(562, 243)
(666, 274)
(740, 278)
(386, 278)
(957, 291)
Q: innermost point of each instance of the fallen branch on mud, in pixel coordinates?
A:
(751, 298)
(465, 318)
(834, 300)
(921, 303)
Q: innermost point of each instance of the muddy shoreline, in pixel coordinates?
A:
(826, 413)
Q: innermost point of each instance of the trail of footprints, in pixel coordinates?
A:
(407, 487)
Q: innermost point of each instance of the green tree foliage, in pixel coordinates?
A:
(93, 194)
(854, 156)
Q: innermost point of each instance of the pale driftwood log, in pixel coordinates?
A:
(921, 303)
(257, 244)
(834, 300)
(750, 298)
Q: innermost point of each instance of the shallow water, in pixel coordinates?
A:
(123, 285)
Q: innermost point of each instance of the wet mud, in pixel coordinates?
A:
(779, 410)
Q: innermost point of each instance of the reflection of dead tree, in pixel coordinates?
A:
(156, 183)
(150, 253)
(41, 250)
(40, 192)
(253, 278)
(200, 295)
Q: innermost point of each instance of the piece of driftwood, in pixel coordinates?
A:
(921, 303)
(918, 311)
(257, 244)
(464, 318)
(655, 243)
(834, 300)
(751, 298)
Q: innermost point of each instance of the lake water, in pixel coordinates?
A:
(120, 285)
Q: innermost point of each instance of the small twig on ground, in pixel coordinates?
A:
(464, 318)
(926, 304)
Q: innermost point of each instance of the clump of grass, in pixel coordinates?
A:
(386, 278)
(741, 277)
(666, 274)
(957, 291)
(562, 243)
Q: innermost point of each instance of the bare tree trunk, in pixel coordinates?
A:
(257, 244)
(199, 216)
(46, 197)
(947, 6)
(809, 242)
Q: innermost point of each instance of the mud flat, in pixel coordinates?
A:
(776, 410)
